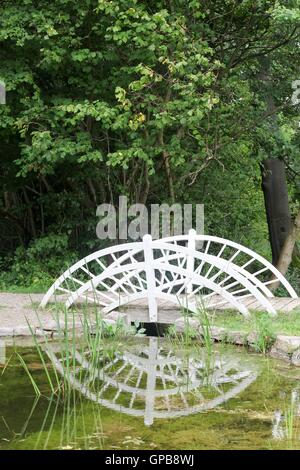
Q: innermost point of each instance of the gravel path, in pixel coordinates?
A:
(15, 308)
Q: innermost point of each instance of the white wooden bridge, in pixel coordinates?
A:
(189, 271)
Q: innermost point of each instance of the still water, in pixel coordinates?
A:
(146, 393)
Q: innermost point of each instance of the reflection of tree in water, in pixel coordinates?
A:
(152, 381)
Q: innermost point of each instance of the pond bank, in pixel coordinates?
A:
(284, 347)
(17, 310)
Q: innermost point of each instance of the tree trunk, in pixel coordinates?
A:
(273, 172)
(277, 205)
(288, 248)
(30, 215)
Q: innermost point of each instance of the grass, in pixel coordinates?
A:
(283, 323)
(38, 289)
(290, 415)
(63, 362)
(89, 340)
(260, 326)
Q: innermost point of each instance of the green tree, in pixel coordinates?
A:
(158, 100)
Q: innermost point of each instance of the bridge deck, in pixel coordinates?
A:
(168, 312)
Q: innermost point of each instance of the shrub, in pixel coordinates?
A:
(39, 265)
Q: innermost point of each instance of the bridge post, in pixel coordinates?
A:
(151, 381)
(190, 259)
(150, 278)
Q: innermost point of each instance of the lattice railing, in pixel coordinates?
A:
(172, 269)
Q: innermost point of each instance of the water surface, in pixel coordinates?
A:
(148, 393)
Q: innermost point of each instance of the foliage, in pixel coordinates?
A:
(160, 101)
(39, 264)
(264, 329)
(121, 329)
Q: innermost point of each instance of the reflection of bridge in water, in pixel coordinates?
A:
(152, 381)
(2, 352)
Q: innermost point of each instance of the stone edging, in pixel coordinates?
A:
(52, 328)
(286, 348)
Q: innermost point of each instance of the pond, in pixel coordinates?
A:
(145, 393)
